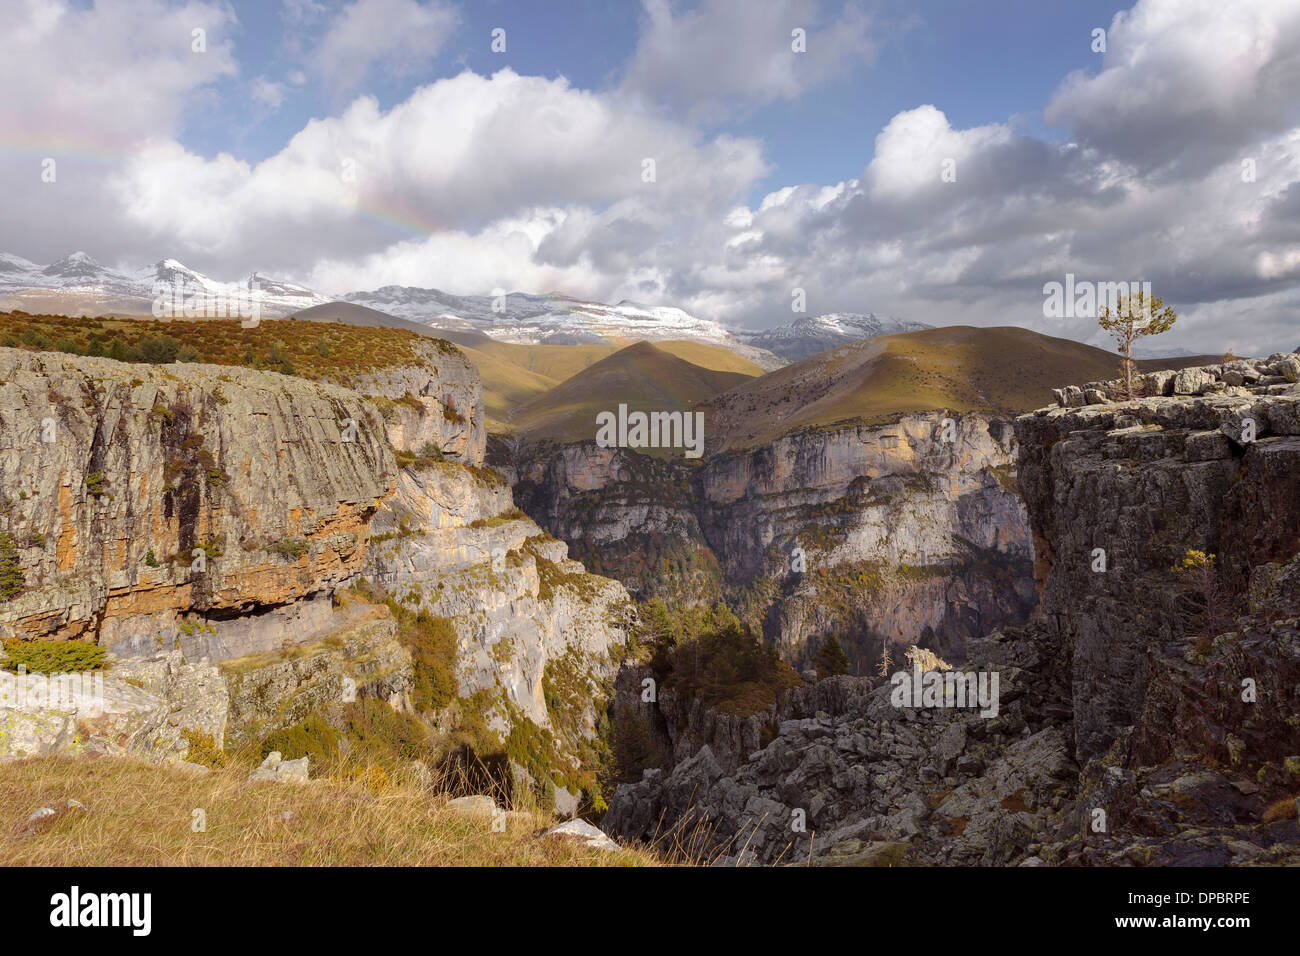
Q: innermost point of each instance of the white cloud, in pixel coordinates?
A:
(458, 154)
(268, 92)
(730, 55)
(397, 37)
(1186, 83)
(83, 86)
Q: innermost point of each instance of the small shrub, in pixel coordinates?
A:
(95, 483)
(291, 548)
(203, 749)
(53, 657)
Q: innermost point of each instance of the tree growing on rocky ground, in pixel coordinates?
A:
(830, 659)
(1203, 605)
(11, 572)
(1134, 317)
(886, 657)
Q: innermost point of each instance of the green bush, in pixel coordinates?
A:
(156, 349)
(830, 659)
(381, 736)
(11, 572)
(291, 548)
(313, 738)
(53, 657)
(432, 643)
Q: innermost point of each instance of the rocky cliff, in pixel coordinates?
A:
(910, 531)
(1146, 716)
(450, 543)
(1120, 492)
(218, 514)
(142, 497)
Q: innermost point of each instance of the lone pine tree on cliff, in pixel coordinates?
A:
(1135, 316)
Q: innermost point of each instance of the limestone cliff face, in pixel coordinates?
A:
(439, 399)
(141, 494)
(1146, 481)
(459, 550)
(913, 494)
(211, 512)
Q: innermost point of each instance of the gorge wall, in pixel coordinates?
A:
(907, 532)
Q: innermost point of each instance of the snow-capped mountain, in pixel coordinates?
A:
(79, 284)
(553, 319)
(816, 333)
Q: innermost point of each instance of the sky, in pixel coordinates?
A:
(933, 160)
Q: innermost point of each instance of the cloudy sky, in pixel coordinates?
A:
(350, 144)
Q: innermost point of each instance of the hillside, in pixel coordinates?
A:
(326, 350)
(642, 376)
(514, 373)
(1001, 371)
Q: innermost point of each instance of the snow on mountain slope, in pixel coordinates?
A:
(77, 283)
(554, 319)
(812, 334)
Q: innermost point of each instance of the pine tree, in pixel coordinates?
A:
(11, 572)
(1134, 317)
(830, 659)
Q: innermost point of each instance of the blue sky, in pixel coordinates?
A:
(979, 62)
(935, 160)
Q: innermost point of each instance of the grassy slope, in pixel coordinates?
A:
(514, 374)
(334, 823)
(1005, 370)
(314, 350)
(642, 376)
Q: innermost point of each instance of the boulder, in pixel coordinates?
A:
(583, 831)
(274, 769)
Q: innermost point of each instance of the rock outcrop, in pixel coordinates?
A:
(438, 399)
(184, 514)
(140, 495)
(450, 543)
(1118, 494)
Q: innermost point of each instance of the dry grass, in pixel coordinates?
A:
(1284, 809)
(141, 815)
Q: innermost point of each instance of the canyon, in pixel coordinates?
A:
(1140, 724)
(870, 533)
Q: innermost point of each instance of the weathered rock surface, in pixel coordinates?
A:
(513, 596)
(275, 769)
(1128, 731)
(915, 495)
(140, 494)
(279, 689)
(438, 399)
(1140, 484)
(144, 708)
